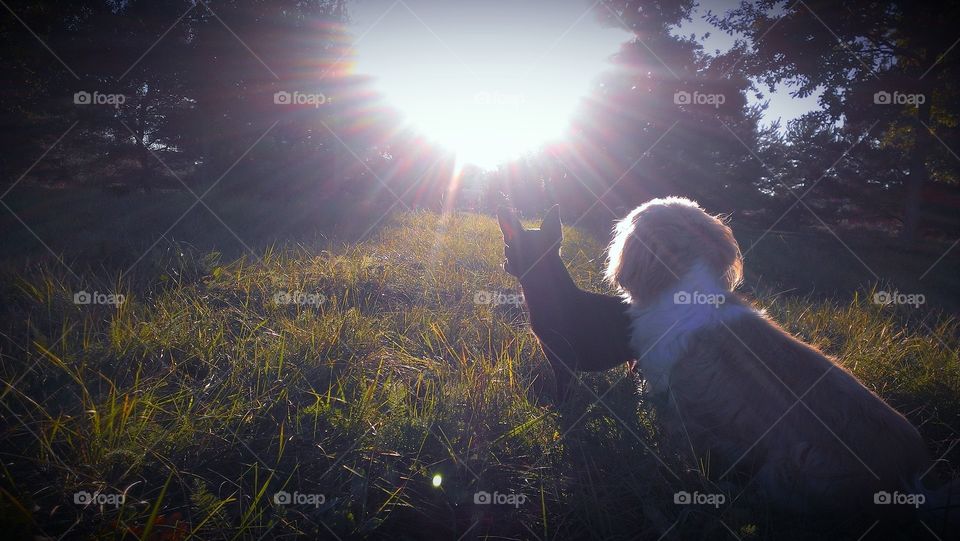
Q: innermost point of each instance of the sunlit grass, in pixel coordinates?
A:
(201, 397)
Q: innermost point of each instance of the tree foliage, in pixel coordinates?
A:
(884, 66)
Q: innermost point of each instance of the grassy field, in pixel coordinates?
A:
(369, 390)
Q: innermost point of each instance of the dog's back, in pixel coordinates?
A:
(588, 331)
(812, 435)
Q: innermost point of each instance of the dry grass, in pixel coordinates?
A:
(200, 397)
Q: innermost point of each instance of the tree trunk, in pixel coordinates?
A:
(918, 174)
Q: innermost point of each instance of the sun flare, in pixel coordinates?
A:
(474, 87)
(484, 126)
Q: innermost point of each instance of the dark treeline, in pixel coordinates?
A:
(877, 154)
(668, 117)
(261, 90)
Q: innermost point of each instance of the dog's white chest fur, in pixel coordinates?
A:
(661, 330)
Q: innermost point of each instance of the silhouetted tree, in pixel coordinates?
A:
(873, 61)
(666, 119)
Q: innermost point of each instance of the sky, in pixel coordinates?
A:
(493, 79)
(782, 106)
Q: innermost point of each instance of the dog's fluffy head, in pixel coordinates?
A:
(661, 241)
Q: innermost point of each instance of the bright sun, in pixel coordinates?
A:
(489, 85)
(483, 125)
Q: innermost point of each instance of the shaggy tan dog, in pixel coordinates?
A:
(736, 386)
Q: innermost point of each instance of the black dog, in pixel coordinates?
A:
(578, 330)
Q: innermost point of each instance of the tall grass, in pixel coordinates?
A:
(390, 391)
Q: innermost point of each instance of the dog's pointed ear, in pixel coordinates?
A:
(551, 223)
(509, 224)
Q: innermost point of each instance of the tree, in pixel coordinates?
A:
(873, 61)
(666, 119)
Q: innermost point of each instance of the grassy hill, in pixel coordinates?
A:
(378, 388)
